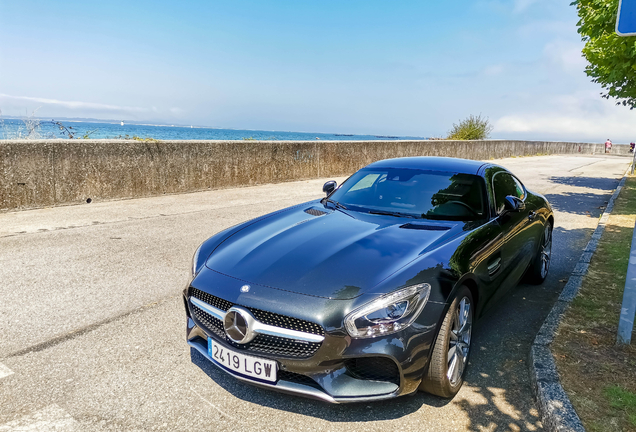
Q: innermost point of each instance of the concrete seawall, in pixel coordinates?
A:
(36, 174)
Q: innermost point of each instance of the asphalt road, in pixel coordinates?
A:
(92, 324)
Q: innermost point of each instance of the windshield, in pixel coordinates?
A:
(414, 193)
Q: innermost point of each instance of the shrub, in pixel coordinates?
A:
(471, 128)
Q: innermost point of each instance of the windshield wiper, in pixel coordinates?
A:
(336, 203)
(392, 213)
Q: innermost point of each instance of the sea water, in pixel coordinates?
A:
(46, 129)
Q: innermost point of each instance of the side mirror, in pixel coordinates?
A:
(513, 204)
(329, 187)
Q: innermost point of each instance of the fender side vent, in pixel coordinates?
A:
(425, 227)
(315, 212)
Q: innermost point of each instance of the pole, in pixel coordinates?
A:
(628, 308)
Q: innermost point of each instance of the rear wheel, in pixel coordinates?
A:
(540, 266)
(449, 356)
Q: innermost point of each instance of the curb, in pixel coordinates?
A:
(557, 412)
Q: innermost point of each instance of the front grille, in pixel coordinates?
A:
(209, 322)
(287, 322)
(262, 344)
(218, 303)
(284, 347)
(374, 369)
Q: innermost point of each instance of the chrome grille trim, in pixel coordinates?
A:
(267, 329)
(215, 312)
(273, 319)
(259, 327)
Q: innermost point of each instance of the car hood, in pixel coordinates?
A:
(331, 254)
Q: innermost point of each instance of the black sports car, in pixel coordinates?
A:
(371, 292)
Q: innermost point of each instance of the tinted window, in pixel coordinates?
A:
(417, 193)
(503, 185)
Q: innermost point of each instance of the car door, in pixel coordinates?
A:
(517, 243)
(483, 248)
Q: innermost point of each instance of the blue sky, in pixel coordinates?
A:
(371, 67)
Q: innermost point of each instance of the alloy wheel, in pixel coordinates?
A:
(546, 251)
(459, 343)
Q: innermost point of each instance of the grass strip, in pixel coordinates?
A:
(598, 375)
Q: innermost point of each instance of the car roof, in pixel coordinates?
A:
(432, 163)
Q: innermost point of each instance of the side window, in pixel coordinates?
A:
(521, 191)
(503, 185)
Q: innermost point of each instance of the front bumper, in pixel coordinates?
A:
(341, 369)
(291, 384)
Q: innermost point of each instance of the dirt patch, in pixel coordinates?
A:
(598, 375)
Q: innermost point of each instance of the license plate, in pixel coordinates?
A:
(248, 366)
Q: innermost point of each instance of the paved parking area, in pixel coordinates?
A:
(92, 324)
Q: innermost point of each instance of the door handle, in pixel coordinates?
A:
(532, 215)
(494, 266)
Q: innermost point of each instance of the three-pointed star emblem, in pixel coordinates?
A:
(237, 325)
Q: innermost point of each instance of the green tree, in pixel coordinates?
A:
(612, 58)
(471, 128)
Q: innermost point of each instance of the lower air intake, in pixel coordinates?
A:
(374, 369)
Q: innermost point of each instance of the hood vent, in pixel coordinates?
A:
(423, 227)
(315, 212)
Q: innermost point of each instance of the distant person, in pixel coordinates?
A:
(608, 145)
(632, 145)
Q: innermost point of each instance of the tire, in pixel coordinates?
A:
(540, 265)
(445, 374)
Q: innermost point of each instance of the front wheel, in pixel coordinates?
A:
(540, 266)
(449, 356)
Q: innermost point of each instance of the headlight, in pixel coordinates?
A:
(388, 314)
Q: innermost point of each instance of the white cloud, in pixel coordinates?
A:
(568, 128)
(558, 59)
(70, 104)
(576, 117)
(565, 55)
(494, 70)
(21, 105)
(522, 5)
(560, 28)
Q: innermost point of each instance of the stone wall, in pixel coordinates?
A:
(36, 174)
